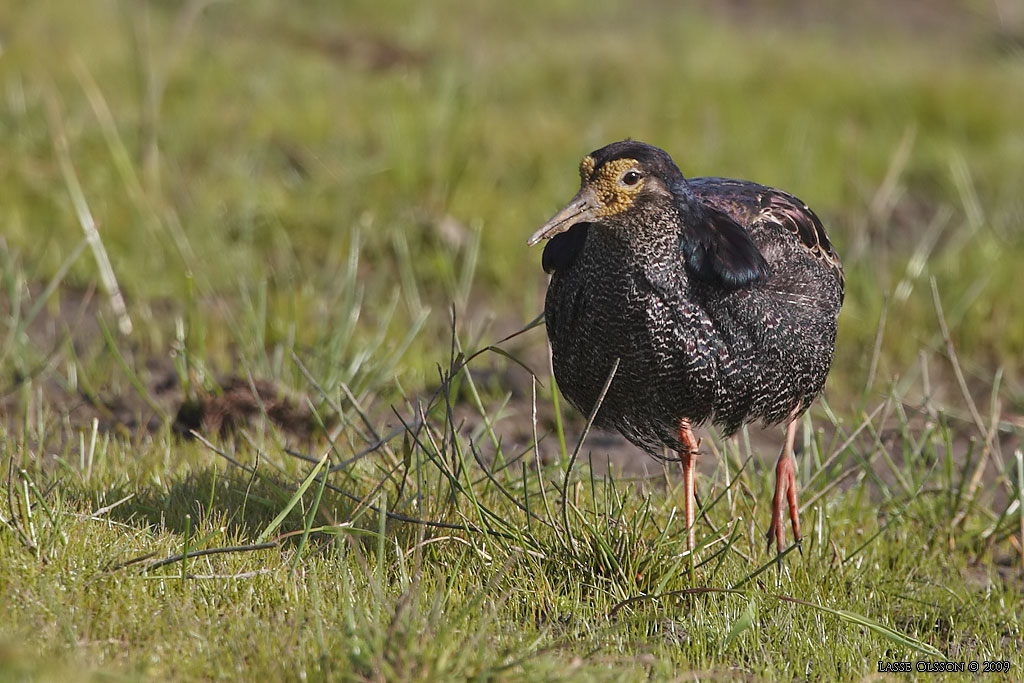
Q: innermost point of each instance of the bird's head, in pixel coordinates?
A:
(614, 181)
(632, 187)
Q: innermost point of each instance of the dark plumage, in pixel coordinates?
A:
(718, 297)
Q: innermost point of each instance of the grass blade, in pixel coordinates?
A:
(296, 497)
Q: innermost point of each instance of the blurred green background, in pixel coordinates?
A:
(238, 156)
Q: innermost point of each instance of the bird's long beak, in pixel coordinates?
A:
(580, 210)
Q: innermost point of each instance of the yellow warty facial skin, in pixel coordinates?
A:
(613, 197)
(586, 168)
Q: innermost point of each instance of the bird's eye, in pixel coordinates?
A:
(630, 178)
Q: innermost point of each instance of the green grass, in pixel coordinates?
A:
(302, 195)
(416, 564)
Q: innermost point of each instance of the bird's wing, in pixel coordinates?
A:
(750, 203)
(717, 249)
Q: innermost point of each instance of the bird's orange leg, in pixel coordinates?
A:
(689, 458)
(785, 485)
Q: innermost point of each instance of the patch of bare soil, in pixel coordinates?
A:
(55, 388)
(239, 404)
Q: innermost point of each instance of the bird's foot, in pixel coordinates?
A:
(775, 532)
(785, 488)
